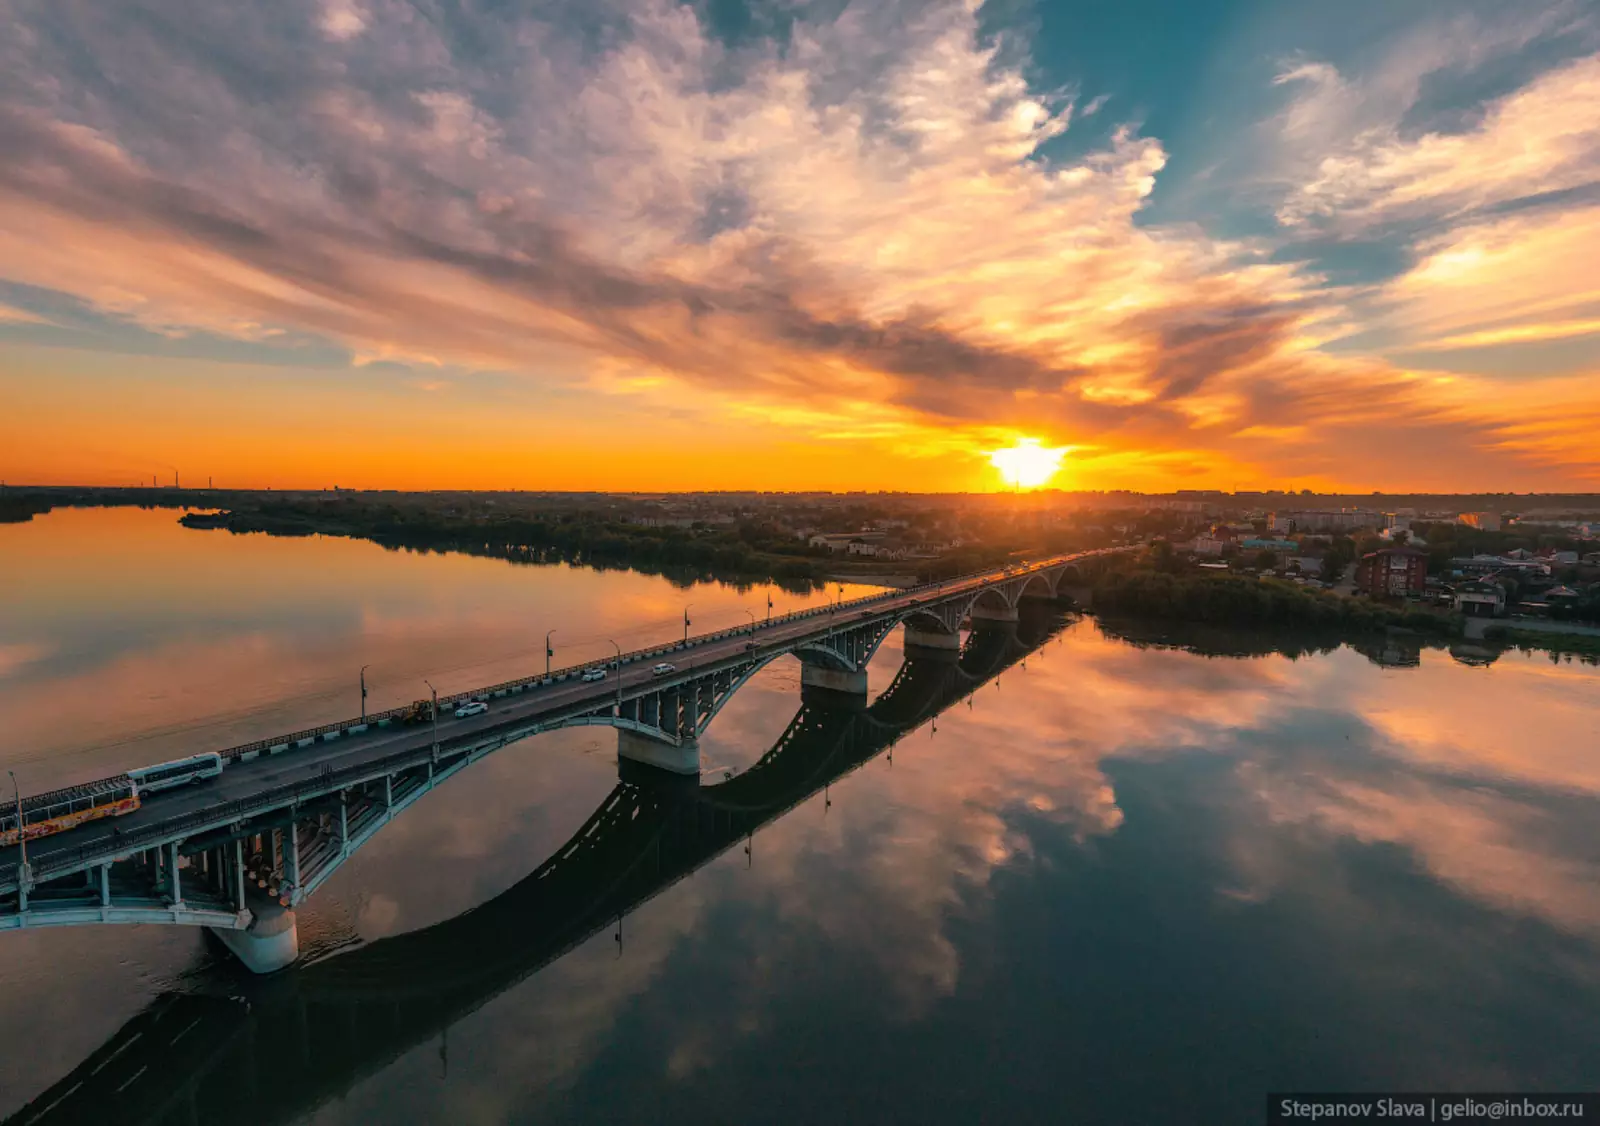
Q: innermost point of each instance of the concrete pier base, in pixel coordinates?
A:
(983, 615)
(932, 639)
(269, 944)
(833, 688)
(681, 759)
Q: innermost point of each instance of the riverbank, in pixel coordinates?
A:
(1234, 601)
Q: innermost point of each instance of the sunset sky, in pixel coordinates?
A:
(788, 245)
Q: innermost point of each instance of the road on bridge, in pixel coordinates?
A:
(242, 780)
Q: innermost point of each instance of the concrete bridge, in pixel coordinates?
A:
(291, 1042)
(239, 852)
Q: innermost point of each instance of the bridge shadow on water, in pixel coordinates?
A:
(277, 1048)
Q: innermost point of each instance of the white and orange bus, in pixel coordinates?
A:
(60, 810)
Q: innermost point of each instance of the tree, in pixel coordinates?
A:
(1266, 560)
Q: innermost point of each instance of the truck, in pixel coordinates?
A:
(420, 711)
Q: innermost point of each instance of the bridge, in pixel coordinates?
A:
(239, 852)
(291, 1042)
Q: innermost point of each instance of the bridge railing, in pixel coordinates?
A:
(330, 731)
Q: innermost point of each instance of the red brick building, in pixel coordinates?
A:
(1392, 572)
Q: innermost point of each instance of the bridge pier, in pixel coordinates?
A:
(983, 615)
(270, 943)
(932, 639)
(932, 646)
(682, 758)
(833, 687)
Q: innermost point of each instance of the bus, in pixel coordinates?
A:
(60, 810)
(178, 772)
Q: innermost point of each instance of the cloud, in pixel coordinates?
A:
(11, 315)
(342, 19)
(1540, 139)
(855, 231)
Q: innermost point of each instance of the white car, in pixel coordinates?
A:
(471, 707)
(594, 674)
(663, 669)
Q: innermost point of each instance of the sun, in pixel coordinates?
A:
(1026, 463)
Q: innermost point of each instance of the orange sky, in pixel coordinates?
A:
(860, 263)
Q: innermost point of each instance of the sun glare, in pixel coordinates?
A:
(1026, 464)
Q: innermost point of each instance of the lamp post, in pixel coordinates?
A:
(22, 844)
(769, 606)
(749, 614)
(618, 648)
(364, 669)
(435, 692)
(686, 610)
(548, 652)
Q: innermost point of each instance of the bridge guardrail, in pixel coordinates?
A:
(311, 734)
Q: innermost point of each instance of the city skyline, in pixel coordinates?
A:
(657, 247)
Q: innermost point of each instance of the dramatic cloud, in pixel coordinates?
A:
(856, 230)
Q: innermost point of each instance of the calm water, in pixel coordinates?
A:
(1116, 884)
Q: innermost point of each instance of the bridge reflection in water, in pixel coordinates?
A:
(303, 1037)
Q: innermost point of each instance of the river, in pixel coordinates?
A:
(1112, 883)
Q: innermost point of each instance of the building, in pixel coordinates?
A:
(1344, 520)
(1393, 572)
(1481, 600)
(1269, 545)
(1484, 521)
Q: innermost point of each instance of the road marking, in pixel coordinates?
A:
(125, 1046)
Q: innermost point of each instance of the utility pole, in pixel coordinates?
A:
(435, 692)
(23, 875)
(364, 669)
(548, 652)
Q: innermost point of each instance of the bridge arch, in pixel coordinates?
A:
(1038, 585)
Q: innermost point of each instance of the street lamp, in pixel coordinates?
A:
(22, 843)
(618, 648)
(548, 652)
(364, 669)
(752, 618)
(435, 692)
(686, 610)
(769, 606)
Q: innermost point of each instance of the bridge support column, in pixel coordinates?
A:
(833, 687)
(932, 645)
(683, 758)
(270, 943)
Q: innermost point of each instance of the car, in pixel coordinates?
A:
(594, 674)
(663, 669)
(471, 707)
(752, 645)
